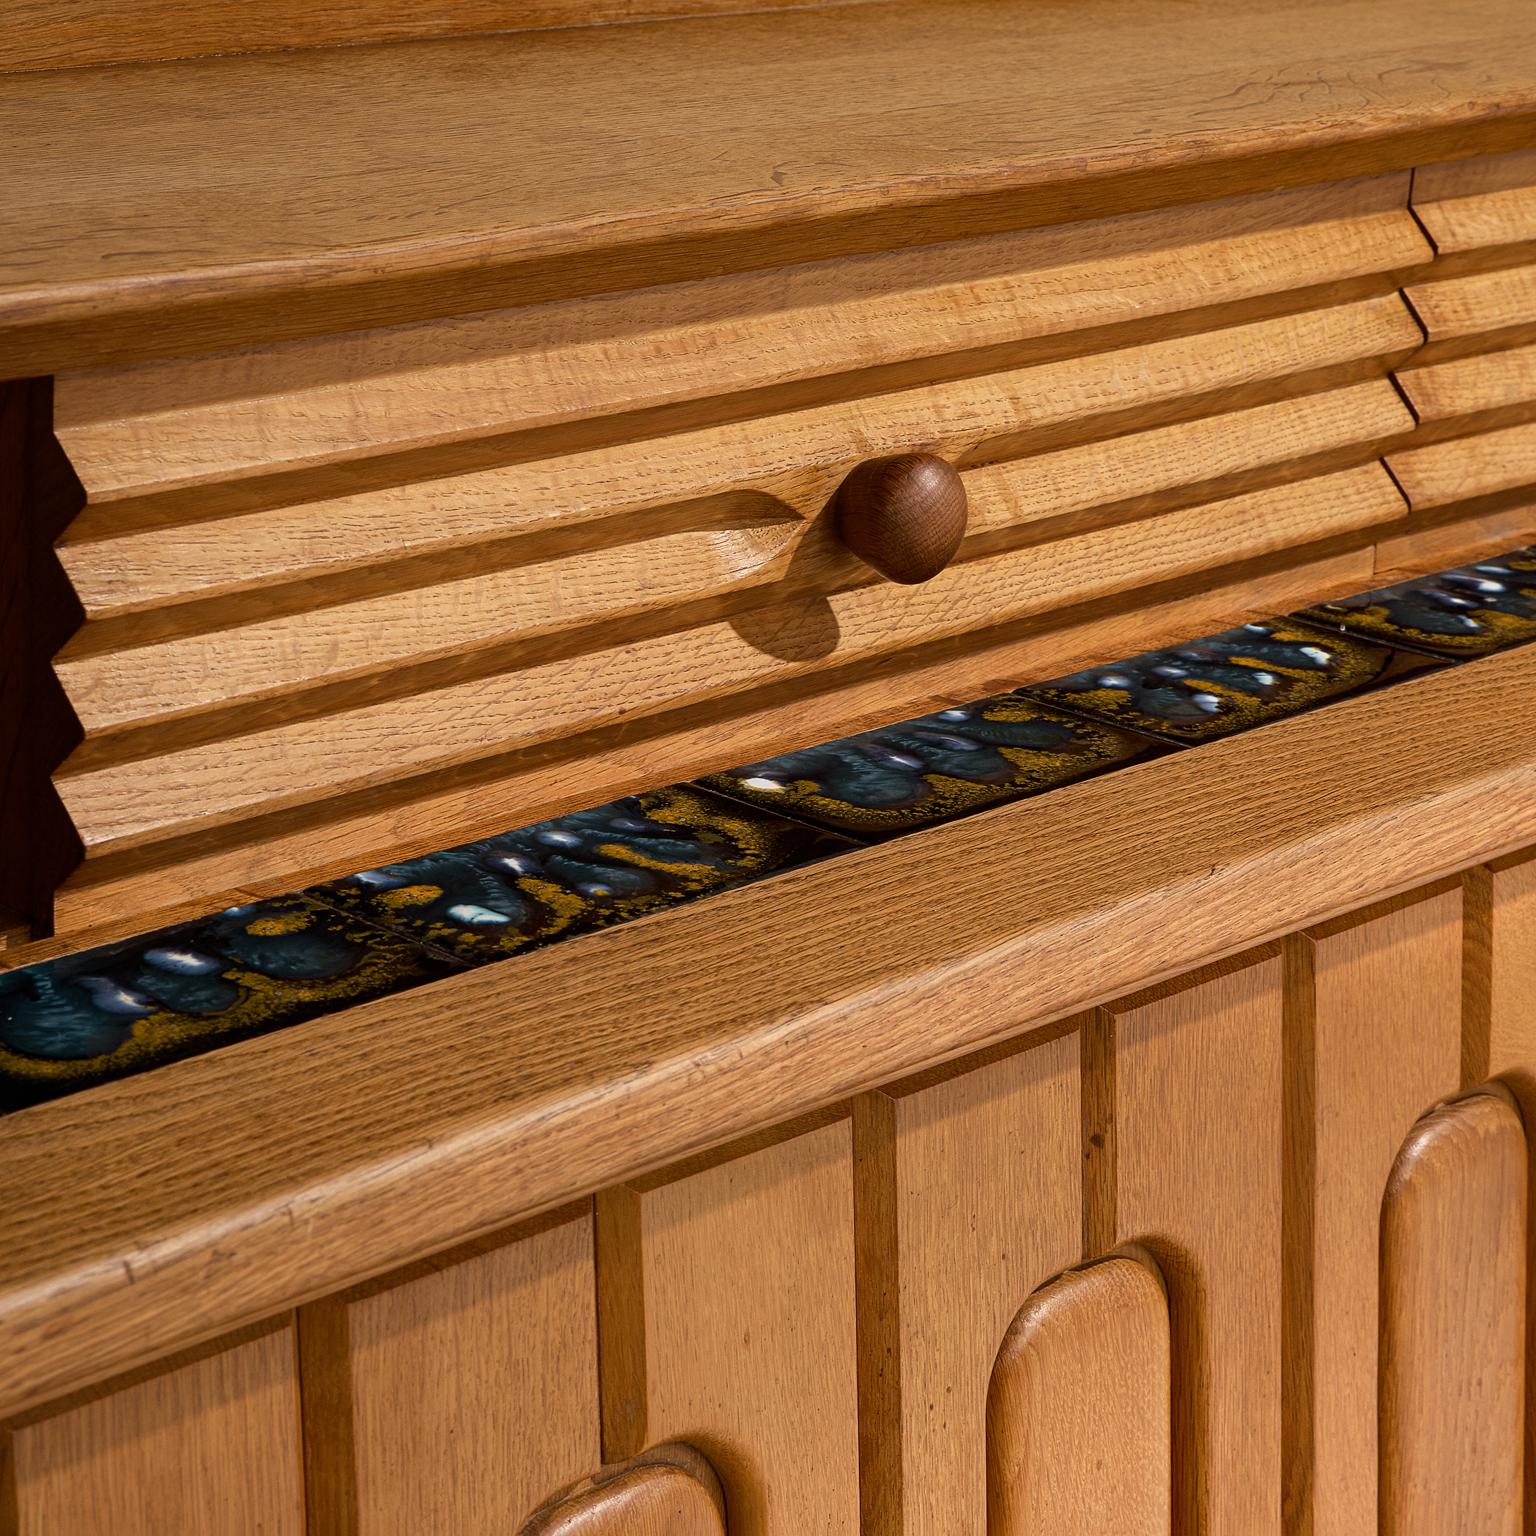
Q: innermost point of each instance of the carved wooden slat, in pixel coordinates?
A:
(1078, 1434)
(1453, 1253)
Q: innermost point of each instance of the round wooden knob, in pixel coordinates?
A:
(904, 515)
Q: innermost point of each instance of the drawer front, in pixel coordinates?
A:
(445, 578)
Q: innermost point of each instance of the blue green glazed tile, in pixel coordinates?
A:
(588, 870)
(1229, 682)
(1473, 610)
(925, 771)
(70, 1023)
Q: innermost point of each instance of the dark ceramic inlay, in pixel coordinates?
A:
(1229, 682)
(519, 890)
(926, 770)
(1470, 611)
(69, 1023)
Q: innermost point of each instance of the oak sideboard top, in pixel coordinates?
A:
(168, 208)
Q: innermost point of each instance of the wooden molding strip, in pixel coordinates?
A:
(162, 1210)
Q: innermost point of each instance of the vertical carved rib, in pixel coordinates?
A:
(39, 494)
(1453, 1323)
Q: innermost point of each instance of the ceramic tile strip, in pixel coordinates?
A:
(83, 1019)
(69, 1023)
(935, 767)
(1472, 610)
(1217, 686)
(523, 889)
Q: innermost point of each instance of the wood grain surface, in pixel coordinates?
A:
(726, 1304)
(1453, 1256)
(1499, 974)
(1373, 1041)
(344, 836)
(1078, 1434)
(461, 1107)
(206, 1444)
(66, 34)
(1196, 1180)
(668, 1491)
(457, 1396)
(969, 1195)
(353, 186)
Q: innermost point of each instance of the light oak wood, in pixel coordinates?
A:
(786, 466)
(156, 428)
(500, 1093)
(132, 805)
(1469, 203)
(1440, 474)
(355, 835)
(1459, 308)
(294, 221)
(1467, 386)
(1453, 1256)
(1424, 548)
(1500, 982)
(1078, 1437)
(210, 1444)
(66, 34)
(671, 1491)
(151, 686)
(1194, 1175)
(727, 1307)
(456, 1397)
(1373, 1040)
(969, 1195)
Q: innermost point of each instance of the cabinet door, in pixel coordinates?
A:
(1184, 1157)
(455, 1397)
(969, 1196)
(205, 1446)
(727, 1303)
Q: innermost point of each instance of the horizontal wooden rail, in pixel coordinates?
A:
(163, 1210)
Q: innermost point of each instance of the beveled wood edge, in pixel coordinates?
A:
(156, 1212)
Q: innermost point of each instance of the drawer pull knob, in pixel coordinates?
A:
(904, 515)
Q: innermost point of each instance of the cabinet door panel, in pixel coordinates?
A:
(969, 1196)
(1453, 1324)
(1196, 1177)
(458, 1396)
(727, 1305)
(208, 1446)
(1078, 1434)
(1374, 1040)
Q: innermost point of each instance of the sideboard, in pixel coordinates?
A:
(767, 771)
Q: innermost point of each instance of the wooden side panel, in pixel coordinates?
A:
(1453, 1252)
(969, 1196)
(458, 1397)
(1078, 1434)
(207, 1446)
(727, 1299)
(1373, 1020)
(1196, 1134)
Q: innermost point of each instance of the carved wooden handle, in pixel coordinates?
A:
(904, 515)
